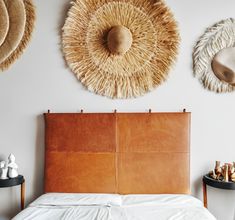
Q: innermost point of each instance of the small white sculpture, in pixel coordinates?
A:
(12, 167)
(3, 170)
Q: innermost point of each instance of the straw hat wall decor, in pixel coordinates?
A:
(4, 21)
(16, 30)
(120, 48)
(214, 57)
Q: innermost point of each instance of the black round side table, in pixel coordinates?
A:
(207, 180)
(19, 180)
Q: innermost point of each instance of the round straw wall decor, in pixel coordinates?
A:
(16, 31)
(120, 48)
(213, 57)
(4, 21)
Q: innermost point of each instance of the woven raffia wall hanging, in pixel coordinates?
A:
(120, 48)
(214, 57)
(16, 25)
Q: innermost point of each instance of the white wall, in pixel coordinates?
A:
(41, 81)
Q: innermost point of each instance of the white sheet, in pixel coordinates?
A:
(115, 207)
(164, 207)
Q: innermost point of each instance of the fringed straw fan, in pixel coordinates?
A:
(214, 57)
(16, 26)
(120, 48)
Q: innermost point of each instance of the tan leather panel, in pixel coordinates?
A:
(123, 152)
(153, 173)
(153, 132)
(81, 132)
(80, 172)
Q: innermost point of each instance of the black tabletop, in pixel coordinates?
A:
(12, 182)
(218, 184)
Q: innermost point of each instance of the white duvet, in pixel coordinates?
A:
(53, 206)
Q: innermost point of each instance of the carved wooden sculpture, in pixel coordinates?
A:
(224, 173)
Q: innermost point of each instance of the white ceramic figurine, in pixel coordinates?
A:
(12, 167)
(3, 170)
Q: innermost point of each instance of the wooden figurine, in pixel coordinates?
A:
(232, 177)
(230, 169)
(232, 172)
(224, 173)
(226, 176)
(212, 174)
(218, 170)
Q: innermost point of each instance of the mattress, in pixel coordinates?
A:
(115, 207)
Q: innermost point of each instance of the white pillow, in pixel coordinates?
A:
(78, 199)
(160, 200)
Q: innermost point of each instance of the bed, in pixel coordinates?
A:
(71, 206)
(130, 166)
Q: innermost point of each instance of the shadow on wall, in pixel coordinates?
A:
(39, 158)
(3, 218)
(2, 157)
(197, 185)
(63, 13)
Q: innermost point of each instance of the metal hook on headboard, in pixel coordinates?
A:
(150, 110)
(48, 111)
(81, 110)
(115, 110)
(184, 110)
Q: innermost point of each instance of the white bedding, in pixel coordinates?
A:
(67, 206)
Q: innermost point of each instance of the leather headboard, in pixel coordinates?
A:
(122, 153)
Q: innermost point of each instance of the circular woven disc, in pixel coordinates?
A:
(4, 22)
(145, 65)
(17, 18)
(24, 40)
(218, 37)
